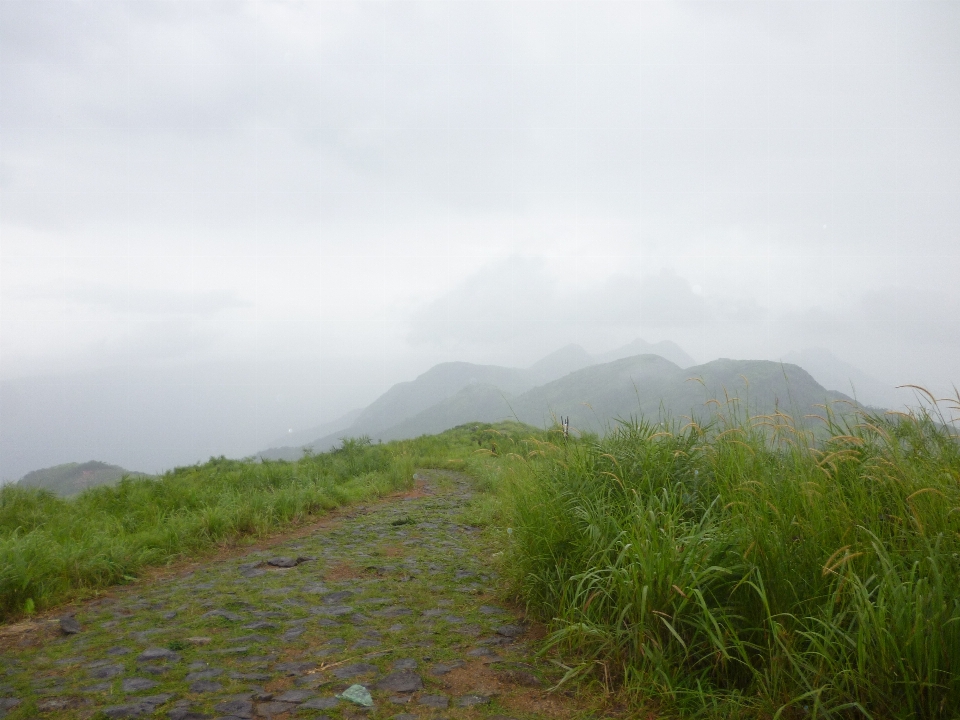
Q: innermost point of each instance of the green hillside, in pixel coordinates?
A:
(72, 478)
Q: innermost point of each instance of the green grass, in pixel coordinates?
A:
(53, 549)
(736, 571)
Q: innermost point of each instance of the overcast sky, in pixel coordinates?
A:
(363, 189)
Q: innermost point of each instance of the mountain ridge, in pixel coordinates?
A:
(592, 396)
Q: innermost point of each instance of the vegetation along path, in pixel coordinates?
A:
(395, 597)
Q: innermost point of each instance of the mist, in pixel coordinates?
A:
(223, 223)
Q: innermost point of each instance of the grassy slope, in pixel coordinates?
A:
(52, 548)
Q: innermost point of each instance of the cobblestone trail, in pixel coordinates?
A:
(395, 597)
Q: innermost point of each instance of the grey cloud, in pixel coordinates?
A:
(520, 298)
(153, 301)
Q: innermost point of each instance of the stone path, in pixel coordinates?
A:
(395, 598)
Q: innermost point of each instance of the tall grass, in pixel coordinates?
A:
(744, 569)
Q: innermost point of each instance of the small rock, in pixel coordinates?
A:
(269, 709)
(292, 634)
(98, 688)
(332, 610)
(106, 672)
(237, 708)
(471, 700)
(439, 702)
(336, 597)
(320, 703)
(127, 711)
(294, 668)
(157, 654)
(401, 681)
(404, 716)
(491, 610)
(282, 562)
(400, 699)
(260, 626)
(357, 694)
(482, 652)
(155, 669)
(294, 696)
(510, 631)
(405, 664)
(203, 675)
(69, 625)
(187, 714)
(117, 650)
(444, 668)
(225, 614)
(136, 684)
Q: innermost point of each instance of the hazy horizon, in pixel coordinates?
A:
(219, 221)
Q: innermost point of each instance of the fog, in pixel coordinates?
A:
(221, 222)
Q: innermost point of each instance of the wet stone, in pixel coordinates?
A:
(260, 626)
(282, 562)
(294, 696)
(292, 634)
(510, 631)
(444, 668)
(269, 709)
(332, 610)
(136, 684)
(203, 675)
(255, 639)
(349, 671)
(237, 708)
(471, 700)
(7, 704)
(482, 652)
(401, 681)
(157, 653)
(187, 713)
(106, 672)
(154, 669)
(256, 677)
(294, 668)
(439, 702)
(69, 625)
(99, 687)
